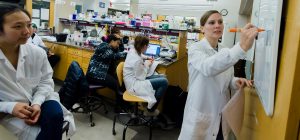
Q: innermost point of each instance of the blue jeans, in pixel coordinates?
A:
(50, 121)
(160, 85)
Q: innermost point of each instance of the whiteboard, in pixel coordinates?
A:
(266, 14)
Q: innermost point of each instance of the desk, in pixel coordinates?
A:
(175, 71)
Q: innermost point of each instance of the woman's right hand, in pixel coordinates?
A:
(22, 111)
(242, 82)
(248, 33)
(148, 63)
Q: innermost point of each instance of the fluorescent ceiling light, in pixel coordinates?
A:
(120, 1)
(126, 4)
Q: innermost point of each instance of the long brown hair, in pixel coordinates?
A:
(206, 15)
(140, 42)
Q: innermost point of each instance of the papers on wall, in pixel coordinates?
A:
(36, 13)
(233, 112)
(152, 68)
(44, 14)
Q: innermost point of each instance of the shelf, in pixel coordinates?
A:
(171, 32)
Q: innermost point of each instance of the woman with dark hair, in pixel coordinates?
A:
(115, 31)
(102, 67)
(29, 107)
(135, 71)
(211, 79)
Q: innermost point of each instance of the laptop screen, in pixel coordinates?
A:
(153, 50)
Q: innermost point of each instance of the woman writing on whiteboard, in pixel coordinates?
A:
(211, 78)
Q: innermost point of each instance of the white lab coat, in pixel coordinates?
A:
(135, 73)
(210, 80)
(30, 82)
(36, 40)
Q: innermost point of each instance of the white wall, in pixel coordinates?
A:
(121, 4)
(64, 8)
(94, 5)
(190, 8)
(193, 8)
(230, 20)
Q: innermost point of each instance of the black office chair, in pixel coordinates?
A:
(65, 128)
(90, 103)
(77, 90)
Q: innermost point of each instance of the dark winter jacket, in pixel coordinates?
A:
(74, 87)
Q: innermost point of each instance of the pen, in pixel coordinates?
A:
(239, 29)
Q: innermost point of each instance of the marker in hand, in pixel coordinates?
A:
(239, 29)
(152, 59)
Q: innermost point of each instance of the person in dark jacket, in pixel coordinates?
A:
(102, 67)
(75, 86)
(115, 31)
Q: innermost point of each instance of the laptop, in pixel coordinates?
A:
(153, 50)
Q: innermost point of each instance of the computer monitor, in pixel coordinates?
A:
(153, 50)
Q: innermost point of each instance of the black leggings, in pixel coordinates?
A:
(110, 82)
(220, 133)
(53, 60)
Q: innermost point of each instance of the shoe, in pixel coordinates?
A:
(151, 114)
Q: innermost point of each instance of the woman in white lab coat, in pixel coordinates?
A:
(29, 107)
(136, 81)
(211, 78)
(36, 40)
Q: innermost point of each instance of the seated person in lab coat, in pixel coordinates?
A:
(211, 79)
(135, 71)
(102, 67)
(37, 41)
(29, 107)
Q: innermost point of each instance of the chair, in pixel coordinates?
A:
(136, 117)
(92, 93)
(77, 90)
(65, 128)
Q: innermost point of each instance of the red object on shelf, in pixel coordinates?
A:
(120, 23)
